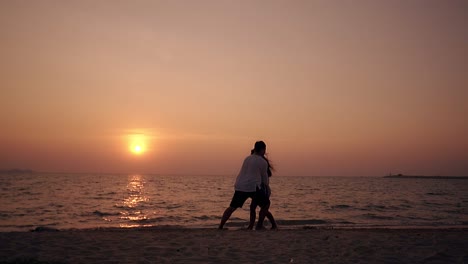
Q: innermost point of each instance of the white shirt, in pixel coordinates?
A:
(252, 174)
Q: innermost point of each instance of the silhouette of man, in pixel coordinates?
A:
(249, 183)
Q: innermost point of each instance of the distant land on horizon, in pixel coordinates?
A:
(31, 171)
(402, 176)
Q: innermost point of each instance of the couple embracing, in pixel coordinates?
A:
(253, 182)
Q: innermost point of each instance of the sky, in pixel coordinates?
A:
(334, 88)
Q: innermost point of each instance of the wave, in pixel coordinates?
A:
(379, 217)
(5, 215)
(305, 223)
(382, 208)
(102, 214)
(207, 217)
(302, 222)
(174, 206)
(137, 207)
(433, 203)
(31, 193)
(156, 220)
(55, 205)
(341, 206)
(438, 193)
(18, 226)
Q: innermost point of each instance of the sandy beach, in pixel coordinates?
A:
(236, 246)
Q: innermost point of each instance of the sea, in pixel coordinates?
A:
(54, 201)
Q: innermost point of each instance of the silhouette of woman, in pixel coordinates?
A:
(254, 204)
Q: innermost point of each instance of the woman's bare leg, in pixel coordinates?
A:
(261, 216)
(270, 217)
(253, 214)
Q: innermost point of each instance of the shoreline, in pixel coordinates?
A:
(236, 228)
(236, 246)
(41, 229)
(239, 227)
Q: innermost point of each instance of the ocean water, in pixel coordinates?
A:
(64, 201)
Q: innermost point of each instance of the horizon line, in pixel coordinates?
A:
(161, 174)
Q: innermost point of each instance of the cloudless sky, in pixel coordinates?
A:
(333, 87)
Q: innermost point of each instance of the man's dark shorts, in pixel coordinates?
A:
(259, 197)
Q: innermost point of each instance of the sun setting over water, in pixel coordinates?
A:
(138, 144)
(129, 125)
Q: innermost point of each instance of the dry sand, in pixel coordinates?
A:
(236, 246)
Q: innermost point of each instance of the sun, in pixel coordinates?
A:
(137, 149)
(137, 144)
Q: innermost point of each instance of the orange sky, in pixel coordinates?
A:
(333, 87)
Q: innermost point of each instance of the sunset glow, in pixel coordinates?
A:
(333, 87)
(138, 143)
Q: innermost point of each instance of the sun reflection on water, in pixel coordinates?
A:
(134, 202)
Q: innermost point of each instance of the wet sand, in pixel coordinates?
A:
(236, 246)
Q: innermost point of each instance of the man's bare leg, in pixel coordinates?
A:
(227, 213)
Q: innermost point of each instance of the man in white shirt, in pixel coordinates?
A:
(249, 182)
